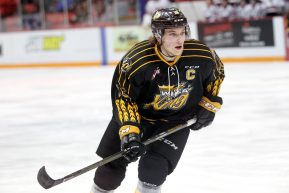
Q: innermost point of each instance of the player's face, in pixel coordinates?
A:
(173, 41)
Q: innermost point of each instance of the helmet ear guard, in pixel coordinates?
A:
(168, 18)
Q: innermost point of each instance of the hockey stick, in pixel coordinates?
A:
(47, 182)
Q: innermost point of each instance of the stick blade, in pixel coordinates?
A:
(44, 179)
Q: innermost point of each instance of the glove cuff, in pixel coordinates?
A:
(127, 129)
(209, 105)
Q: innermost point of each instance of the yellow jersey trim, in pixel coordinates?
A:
(164, 60)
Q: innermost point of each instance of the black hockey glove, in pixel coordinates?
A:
(132, 147)
(204, 119)
(206, 112)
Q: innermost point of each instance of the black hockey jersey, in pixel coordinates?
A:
(148, 88)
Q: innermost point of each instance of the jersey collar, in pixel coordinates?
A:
(170, 63)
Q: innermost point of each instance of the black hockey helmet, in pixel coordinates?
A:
(168, 18)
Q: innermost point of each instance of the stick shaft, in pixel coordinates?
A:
(47, 182)
(119, 154)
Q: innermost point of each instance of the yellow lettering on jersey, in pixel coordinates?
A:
(180, 101)
(170, 97)
(162, 103)
(190, 74)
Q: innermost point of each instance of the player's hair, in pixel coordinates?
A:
(153, 40)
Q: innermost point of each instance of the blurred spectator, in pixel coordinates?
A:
(150, 7)
(286, 6)
(81, 11)
(226, 11)
(274, 7)
(99, 9)
(164, 3)
(31, 16)
(7, 8)
(52, 6)
(244, 10)
(132, 8)
(77, 11)
(220, 10)
(103, 10)
(257, 9)
(211, 12)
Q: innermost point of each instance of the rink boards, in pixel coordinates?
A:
(105, 46)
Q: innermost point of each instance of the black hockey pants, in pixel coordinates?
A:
(160, 160)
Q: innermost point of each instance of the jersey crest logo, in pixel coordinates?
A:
(170, 97)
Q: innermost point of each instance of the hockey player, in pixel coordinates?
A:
(159, 83)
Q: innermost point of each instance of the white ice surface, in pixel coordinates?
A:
(56, 117)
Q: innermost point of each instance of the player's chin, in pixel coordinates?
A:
(178, 51)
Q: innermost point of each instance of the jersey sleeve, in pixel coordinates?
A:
(211, 99)
(124, 97)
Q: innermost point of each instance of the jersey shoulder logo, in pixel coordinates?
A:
(156, 72)
(126, 64)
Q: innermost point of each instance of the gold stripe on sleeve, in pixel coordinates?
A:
(200, 56)
(141, 67)
(195, 49)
